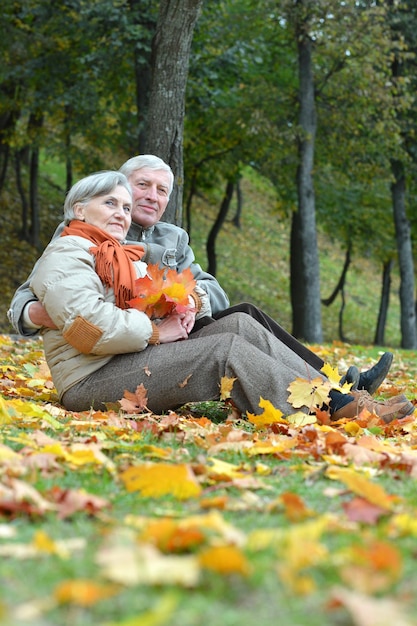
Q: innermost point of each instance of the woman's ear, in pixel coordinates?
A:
(79, 211)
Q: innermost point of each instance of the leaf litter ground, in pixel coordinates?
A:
(128, 518)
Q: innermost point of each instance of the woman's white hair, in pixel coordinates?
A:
(150, 161)
(97, 184)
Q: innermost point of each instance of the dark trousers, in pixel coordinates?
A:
(270, 324)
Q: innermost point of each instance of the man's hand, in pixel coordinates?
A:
(171, 329)
(39, 316)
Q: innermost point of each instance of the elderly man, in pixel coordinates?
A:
(152, 181)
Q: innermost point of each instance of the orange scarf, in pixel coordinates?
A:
(113, 261)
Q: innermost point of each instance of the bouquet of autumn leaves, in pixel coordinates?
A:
(163, 292)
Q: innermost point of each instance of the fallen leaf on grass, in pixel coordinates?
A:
(83, 592)
(369, 611)
(137, 564)
(361, 510)
(64, 547)
(157, 480)
(224, 560)
(294, 507)
(134, 402)
(69, 501)
(270, 415)
(361, 486)
(309, 393)
(371, 568)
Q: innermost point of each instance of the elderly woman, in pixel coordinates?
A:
(101, 346)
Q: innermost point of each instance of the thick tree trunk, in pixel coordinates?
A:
(142, 65)
(384, 304)
(405, 259)
(304, 264)
(170, 61)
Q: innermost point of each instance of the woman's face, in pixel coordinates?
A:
(111, 212)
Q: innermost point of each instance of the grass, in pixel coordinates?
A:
(305, 562)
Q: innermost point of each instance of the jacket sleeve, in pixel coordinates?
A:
(66, 283)
(185, 258)
(22, 297)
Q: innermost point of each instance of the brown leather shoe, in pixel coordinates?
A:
(386, 410)
(395, 399)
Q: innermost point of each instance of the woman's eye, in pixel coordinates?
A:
(126, 209)
(109, 202)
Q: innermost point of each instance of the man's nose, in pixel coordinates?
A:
(152, 192)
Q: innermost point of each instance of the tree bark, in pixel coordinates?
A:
(25, 232)
(142, 66)
(239, 200)
(35, 227)
(171, 48)
(384, 304)
(304, 263)
(405, 259)
(211, 240)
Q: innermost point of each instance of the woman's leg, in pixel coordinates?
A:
(190, 371)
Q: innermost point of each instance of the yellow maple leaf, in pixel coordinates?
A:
(309, 393)
(270, 415)
(83, 592)
(226, 386)
(334, 378)
(361, 486)
(224, 560)
(157, 480)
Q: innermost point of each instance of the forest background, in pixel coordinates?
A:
(304, 112)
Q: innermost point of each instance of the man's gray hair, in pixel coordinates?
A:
(147, 160)
(97, 184)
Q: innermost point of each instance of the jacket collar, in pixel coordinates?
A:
(138, 233)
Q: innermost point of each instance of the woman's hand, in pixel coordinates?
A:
(172, 329)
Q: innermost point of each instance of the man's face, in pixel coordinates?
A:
(150, 195)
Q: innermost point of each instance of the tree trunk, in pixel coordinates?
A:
(211, 239)
(304, 263)
(384, 304)
(239, 197)
(35, 227)
(23, 198)
(170, 60)
(142, 64)
(405, 259)
(342, 280)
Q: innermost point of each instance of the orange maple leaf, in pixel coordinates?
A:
(134, 402)
(162, 292)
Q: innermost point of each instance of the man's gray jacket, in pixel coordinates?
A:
(166, 244)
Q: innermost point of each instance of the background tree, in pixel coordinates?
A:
(170, 60)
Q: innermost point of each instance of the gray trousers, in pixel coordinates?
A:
(173, 374)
